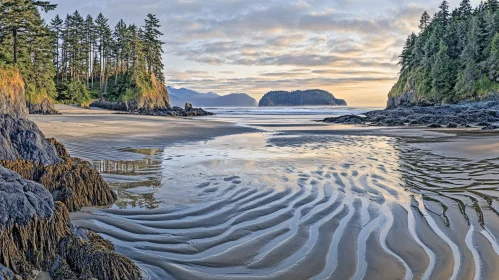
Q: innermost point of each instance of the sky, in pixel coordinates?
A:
(347, 47)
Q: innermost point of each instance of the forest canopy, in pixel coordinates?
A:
(76, 58)
(453, 58)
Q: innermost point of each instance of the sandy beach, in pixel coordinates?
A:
(266, 197)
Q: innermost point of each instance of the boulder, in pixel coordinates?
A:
(71, 181)
(21, 139)
(188, 107)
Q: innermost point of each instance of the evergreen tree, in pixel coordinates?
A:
(465, 8)
(28, 43)
(443, 73)
(454, 57)
(444, 14)
(153, 47)
(424, 22)
(56, 26)
(407, 52)
(20, 17)
(494, 60)
(492, 5)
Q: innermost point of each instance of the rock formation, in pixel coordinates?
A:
(44, 107)
(35, 231)
(480, 114)
(12, 99)
(300, 98)
(173, 112)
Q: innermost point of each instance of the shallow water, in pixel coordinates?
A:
(288, 205)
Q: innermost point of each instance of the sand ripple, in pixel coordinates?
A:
(304, 207)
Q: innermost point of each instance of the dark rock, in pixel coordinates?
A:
(188, 107)
(434, 126)
(164, 112)
(490, 127)
(31, 225)
(483, 124)
(21, 200)
(347, 119)
(72, 181)
(95, 257)
(21, 139)
(35, 234)
(45, 107)
(452, 125)
(479, 112)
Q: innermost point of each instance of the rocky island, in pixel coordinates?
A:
(300, 98)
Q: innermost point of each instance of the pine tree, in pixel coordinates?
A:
(407, 52)
(493, 60)
(492, 5)
(89, 33)
(443, 73)
(103, 35)
(20, 17)
(56, 26)
(424, 21)
(465, 8)
(444, 14)
(153, 47)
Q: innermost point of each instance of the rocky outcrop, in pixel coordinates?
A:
(169, 112)
(35, 230)
(89, 255)
(12, 99)
(407, 98)
(300, 98)
(44, 107)
(21, 139)
(480, 114)
(35, 234)
(31, 224)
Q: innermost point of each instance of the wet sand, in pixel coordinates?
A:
(206, 199)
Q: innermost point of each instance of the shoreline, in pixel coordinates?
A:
(191, 164)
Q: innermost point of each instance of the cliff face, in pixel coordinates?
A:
(300, 98)
(35, 232)
(12, 99)
(148, 96)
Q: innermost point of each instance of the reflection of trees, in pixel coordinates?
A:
(131, 168)
(144, 173)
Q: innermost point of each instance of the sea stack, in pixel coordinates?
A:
(300, 98)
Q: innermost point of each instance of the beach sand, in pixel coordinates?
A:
(232, 198)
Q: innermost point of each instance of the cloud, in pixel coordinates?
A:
(257, 45)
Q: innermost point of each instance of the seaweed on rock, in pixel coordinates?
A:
(72, 181)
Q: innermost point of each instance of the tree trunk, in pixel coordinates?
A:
(15, 45)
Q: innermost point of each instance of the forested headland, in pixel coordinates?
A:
(453, 58)
(76, 58)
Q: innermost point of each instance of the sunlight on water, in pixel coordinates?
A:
(299, 206)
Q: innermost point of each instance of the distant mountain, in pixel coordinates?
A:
(315, 97)
(188, 93)
(178, 97)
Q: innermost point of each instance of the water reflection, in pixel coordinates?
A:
(288, 206)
